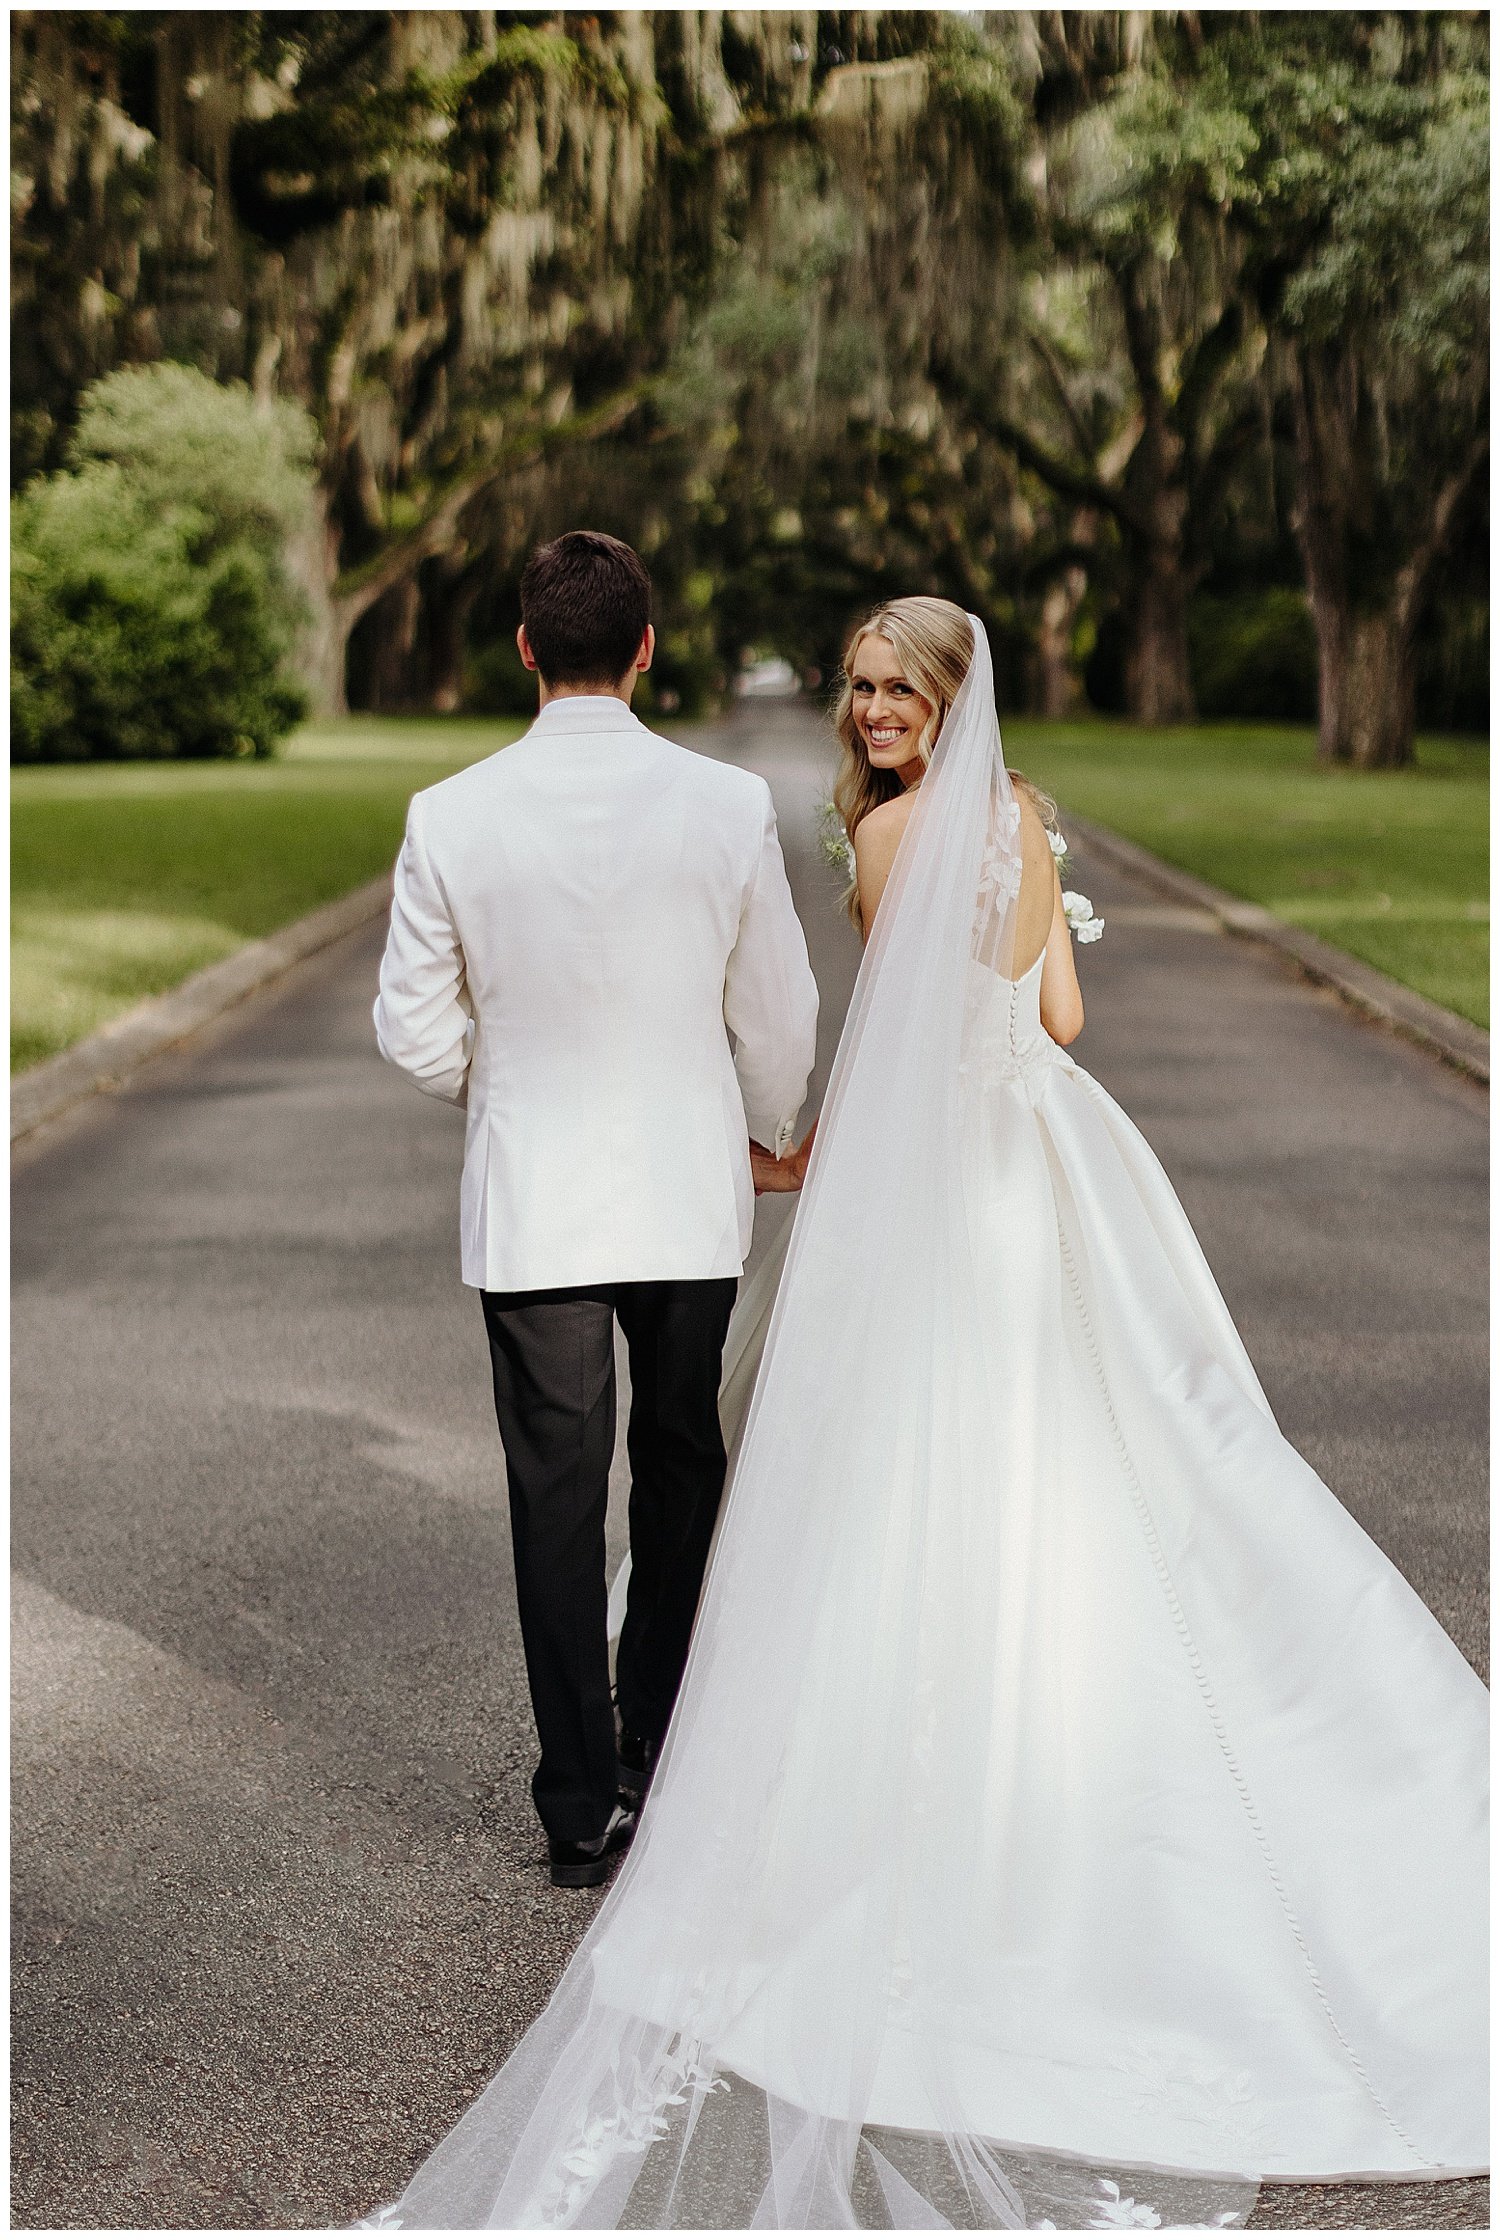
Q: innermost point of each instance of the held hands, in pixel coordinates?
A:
(770, 1173)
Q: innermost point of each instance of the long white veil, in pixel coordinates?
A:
(778, 2014)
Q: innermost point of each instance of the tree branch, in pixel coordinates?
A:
(1209, 359)
(1321, 508)
(1206, 487)
(1078, 482)
(1044, 351)
(1095, 560)
(358, 591)
(1411, 579)
(1142, 342)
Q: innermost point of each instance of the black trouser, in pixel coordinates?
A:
(554, 1364)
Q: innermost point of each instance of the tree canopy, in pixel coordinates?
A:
(1131, 330)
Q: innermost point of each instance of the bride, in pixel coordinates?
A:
(1069, 1818)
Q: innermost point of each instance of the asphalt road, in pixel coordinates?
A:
(280, 1908)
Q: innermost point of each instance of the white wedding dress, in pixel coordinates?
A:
(1070, 1817)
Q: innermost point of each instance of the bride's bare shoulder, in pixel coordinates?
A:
(877, 836)
(880, 830)
(1035, 846)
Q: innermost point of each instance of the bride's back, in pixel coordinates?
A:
(1037, 898)
(1034, 904)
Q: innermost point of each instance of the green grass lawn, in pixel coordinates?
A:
(124, 878)
(1392, 866)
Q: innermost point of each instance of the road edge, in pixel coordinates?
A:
(1457, 1041)
(103, 1060)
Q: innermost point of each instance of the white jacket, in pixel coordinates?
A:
(593, 947)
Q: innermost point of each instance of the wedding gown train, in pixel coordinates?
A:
(1071, 1817)
(1053, 1160)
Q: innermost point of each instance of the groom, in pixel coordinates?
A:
(593, 948)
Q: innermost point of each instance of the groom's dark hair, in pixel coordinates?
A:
(586, 602)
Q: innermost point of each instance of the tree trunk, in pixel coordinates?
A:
(450, 587)
(1367, 700)
(1061, 685)
(1158, 679)
(1366, 686)
(380, 650)
(323, 646)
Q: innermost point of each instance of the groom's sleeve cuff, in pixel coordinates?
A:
(778, 1136)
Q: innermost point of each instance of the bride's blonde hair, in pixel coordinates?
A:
(934, 643)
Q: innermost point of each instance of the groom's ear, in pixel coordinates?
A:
(523, 647)
(647, 649)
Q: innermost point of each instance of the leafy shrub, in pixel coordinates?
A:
(1254, 654)
(151, 611)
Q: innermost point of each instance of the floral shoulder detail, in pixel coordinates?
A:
(999, 874)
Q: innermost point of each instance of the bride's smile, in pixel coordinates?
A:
(890, 714)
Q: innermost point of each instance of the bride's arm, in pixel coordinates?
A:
(1061, 998)
(876, 839)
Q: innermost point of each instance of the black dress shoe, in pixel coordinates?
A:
(578, 1866)
(637, 1756)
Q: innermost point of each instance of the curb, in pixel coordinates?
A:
(103, 1060)
(1458, 1042)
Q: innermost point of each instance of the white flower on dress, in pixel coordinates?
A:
(1223, 2100)
(1115, 2207)
(1082, 923)
(999, 871)
(636, 2120)
(1109, 2208)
